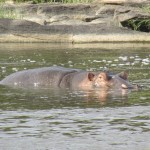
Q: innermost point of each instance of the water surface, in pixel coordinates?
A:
(63, 119)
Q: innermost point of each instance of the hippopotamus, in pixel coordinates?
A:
(67, 78)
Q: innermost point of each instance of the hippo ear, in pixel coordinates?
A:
(91, 76)
(124, 75)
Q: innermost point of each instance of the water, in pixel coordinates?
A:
(62, 119)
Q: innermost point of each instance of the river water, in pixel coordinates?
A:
(64, 119)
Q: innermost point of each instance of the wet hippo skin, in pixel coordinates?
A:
(67, 77)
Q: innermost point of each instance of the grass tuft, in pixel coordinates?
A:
(8, 13)
(146, 9)
(139, 24)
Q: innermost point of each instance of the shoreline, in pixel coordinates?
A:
(72, 23)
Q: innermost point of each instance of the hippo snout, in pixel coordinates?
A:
(134, 86)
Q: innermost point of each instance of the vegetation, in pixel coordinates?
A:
(140, 24)
(9, 13)
(146, 8)
(6, 13)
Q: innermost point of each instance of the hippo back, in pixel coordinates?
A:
(47, 76)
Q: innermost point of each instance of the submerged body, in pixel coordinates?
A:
(66, 77)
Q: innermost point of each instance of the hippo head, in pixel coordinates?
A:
(117, 81)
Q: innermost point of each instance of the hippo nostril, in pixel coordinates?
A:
(137, 86)
(130, 87)
(124, 86)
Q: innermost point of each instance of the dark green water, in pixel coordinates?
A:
(61, 119)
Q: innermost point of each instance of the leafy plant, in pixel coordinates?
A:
(139, 24)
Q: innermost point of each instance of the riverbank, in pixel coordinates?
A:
(73, 23)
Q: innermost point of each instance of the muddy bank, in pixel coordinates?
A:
(73, 23)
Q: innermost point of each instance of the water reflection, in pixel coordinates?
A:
(44, 98)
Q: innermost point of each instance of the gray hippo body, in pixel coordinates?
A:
(66, 77)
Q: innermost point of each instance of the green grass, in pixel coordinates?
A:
(140, 24)
(146, 8)
(8, 13)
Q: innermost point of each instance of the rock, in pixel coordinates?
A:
(37, 19)
(27, 31)
(58, 18)
(107, 21)
(67, 22)
(63, 9)
(106, 14)
(123, 14)
(110, 1)
(122, 1)
(90, 18)
(107, 10)
(27, 9)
